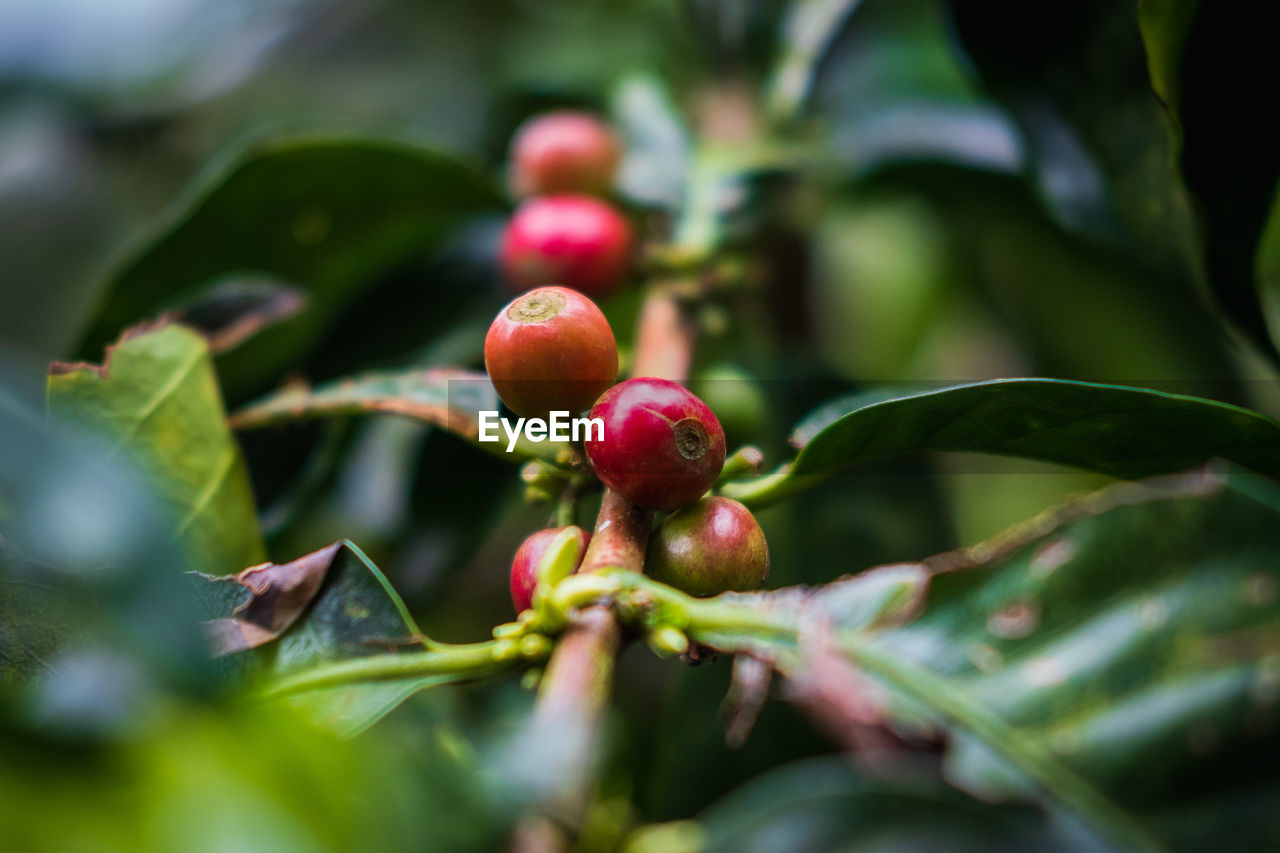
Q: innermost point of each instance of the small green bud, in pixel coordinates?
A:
(535, 647)
(507, 649)
(668, 641)
(508, 629)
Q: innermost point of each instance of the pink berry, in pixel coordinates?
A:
(571, 240)
(524, 566)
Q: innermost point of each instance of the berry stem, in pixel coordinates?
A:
(664, 343)
(578, 681)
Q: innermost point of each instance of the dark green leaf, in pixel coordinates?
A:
(825, 804)
(1087, 83)
(1111, 659)
(1111, 429)
(155, 400)
(326, 215)
(331, 605)
(288, 628)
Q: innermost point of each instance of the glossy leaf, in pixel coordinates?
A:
(1109, 659)
(155, 399)
(445, 397)
(1111, 429)
(326, 215)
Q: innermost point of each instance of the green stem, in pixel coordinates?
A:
(472, 660)
(567, 508)
(771, 488)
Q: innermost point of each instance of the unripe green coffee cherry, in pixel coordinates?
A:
(709, 547)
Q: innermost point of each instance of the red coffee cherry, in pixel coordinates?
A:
(662, 447)
(572, 240)
(524, 566)
(709, 547)
(550, 350)
(563, 152)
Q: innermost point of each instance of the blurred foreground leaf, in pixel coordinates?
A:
(1111, 429)
(155, 400)
(1114, 659)
(326, 215)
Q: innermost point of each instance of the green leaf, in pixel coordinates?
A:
(1112, 659)
(289, 626)
(1129, 136)
(1111, 429)
(325, 215)
(155, 399)
(445, 397)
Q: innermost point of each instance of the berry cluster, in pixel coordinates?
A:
(563, 233)
(551, 349)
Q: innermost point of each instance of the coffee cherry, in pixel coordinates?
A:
(524, 566)
(563, 152)
(662, 446)
(572, 240)
(550, 350)
(710, 547)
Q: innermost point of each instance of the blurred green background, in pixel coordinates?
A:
(957, 218)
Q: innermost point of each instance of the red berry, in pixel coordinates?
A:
(709, 547)
(662, 446)
(550, 350)
(561, 152)
(572, 240)
(524, 566)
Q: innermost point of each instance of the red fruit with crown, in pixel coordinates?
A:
(662, 447)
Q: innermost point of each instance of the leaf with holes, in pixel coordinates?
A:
(156, 400)
(1111, 429)
(1114, 659)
